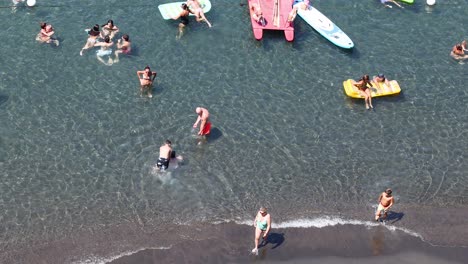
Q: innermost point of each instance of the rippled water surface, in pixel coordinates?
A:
(78, 144)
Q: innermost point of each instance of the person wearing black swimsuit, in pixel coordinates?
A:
(183, 15)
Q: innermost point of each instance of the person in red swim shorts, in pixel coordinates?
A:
(205, 125)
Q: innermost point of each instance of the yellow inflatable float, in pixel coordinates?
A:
(379, 89)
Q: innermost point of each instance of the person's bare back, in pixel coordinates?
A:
(165, 151)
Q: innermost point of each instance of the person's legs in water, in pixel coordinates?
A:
(200, 16)
(116, 53)
(181, 30)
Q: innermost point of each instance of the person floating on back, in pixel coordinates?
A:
(165, 154)
(109, 29)
(262, 224)
(384, 2)
(46, 34)
(146, 81)
(385, 202)
(205, 125)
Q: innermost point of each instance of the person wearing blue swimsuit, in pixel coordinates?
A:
(262, 224)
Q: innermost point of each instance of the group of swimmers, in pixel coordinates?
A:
(96, 38)
(106, 35)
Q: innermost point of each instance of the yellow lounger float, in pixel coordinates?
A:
(380, 89)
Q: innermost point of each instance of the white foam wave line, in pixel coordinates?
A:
(321, 222)
(104, 260)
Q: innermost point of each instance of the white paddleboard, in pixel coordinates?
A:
(326, 27)
(170, 10)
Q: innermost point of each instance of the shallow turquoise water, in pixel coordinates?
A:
(78, 145)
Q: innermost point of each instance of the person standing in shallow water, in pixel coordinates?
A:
(105, 50)
(262, 224)
(385, 202)
(165, 153)
(46, 34)
(184, 21)
(123, 46)
(93, 33)
(205, 125)
(146, 81)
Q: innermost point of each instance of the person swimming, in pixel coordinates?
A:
(46, 34)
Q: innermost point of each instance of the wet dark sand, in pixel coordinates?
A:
(350, 243)
(444, 232)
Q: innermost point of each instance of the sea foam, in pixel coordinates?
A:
(326, 221)
(104, 260)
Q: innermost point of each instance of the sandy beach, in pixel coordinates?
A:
(409, 236)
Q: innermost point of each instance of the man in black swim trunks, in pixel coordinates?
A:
(183, 15)
(165, 153)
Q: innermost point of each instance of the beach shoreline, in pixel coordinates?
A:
(423, 232)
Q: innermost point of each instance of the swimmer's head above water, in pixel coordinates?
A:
(109, 23)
